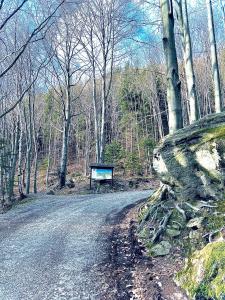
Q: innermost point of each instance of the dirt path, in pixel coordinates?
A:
(131, 273)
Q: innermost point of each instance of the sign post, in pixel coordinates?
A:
(101, 172)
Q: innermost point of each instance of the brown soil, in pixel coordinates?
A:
(82, 185)
(131, 273)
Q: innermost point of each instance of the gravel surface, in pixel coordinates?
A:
(51, 246)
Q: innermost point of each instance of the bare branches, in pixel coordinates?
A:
(34, 33)
(11, 14)
(43, 64)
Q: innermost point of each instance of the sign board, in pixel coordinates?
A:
(102, 174)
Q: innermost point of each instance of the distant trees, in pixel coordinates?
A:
(66, 71)
(90, 84)
(105, 25)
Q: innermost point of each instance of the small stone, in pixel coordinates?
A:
(195, 223)
(70, 183)
(161, 249)
(172, 232)
(159, 284)
(195, 235)
(50, 192)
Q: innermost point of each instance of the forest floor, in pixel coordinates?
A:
(81, 185)
(131, 272)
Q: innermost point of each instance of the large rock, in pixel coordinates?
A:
(161, 249)
(195, 223)
(192, 161)
(204, 274)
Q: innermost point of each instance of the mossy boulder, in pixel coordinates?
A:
(161, 249)
(203, 276)
(192, 161)
(171, 232)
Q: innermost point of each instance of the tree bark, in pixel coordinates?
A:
(173, 81)
(183, 18)
(222, 5)
(214, 58)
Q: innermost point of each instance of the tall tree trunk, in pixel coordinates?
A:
(19, 168)
(35, 145)
(49, 155)
(96, 117)
(64, 154)
(14, 159)
(222, 5)
(66, 129)
(183, 18)
(173, 81)
(214, 58)
(29, 146)
(103, 112)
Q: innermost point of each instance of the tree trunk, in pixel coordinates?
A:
(14, 160)
(29, 146)
(173, 81)
(94, 98)
(188, 60)
(49, 155)
(64, 155)
(222, 5)
(214, 58)
(66, 129)
(103, 112)
(19, 168)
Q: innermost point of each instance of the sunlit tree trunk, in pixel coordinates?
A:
(49, 155)
(173, 81)
(214, 58)
(66, 128)
(183, 19)
(29, 144)
(15, 148)
(222, 5)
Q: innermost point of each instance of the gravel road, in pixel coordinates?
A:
(51, 246)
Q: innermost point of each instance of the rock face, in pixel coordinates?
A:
(192, 161)
(188, 210)
(204, 274)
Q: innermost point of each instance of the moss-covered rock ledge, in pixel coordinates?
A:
(192, 161)
(188, 210)
(204, 274)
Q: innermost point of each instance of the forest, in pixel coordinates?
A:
(101, 81)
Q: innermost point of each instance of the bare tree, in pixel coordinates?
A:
(9, 56)
(182, 13)
(173, 81)
(214, 58)
(222, 6)
(104, 28)
(68, 72)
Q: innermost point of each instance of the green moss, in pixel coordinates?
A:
(180, 157)
(216, 221)
(204, 273)
(148, 206)
(210, 134)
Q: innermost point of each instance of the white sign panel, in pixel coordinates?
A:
(101, 174)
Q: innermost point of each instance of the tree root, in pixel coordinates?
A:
(181, 211)
(211, 234)
(162, 227)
